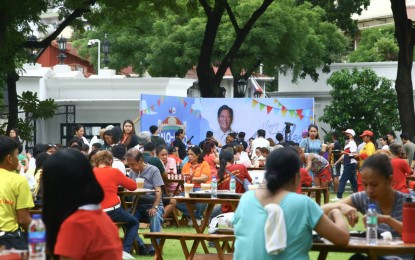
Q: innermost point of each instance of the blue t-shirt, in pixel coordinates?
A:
(311, 146)
(301, 216)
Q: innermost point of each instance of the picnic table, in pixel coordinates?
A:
(359, 245)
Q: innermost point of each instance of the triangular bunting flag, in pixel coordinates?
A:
(275, 101)
(283, 112)
(276, 110)
(261, 106)
(292, 113)
(283, 108)
(269, 109)
(254, 103)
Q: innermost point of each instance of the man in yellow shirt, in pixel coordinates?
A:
(367, 150)
(15, 197)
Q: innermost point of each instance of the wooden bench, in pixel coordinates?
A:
(317, 191)
(182, 237)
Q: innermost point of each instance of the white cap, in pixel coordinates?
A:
(350, 131)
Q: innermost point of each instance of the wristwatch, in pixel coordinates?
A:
(156, 207)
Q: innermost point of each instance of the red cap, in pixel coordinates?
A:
(366, 132)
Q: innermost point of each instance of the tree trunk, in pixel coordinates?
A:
(11, 79)
(404, 33)
(209, 87)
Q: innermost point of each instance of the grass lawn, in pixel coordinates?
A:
(172, 249)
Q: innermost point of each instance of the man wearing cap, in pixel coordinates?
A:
(349, 164)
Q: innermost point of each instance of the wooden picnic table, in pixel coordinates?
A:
(317, 191)
(359, 245)
(190, 204)
(136, 194)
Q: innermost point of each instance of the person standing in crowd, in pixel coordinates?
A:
(178, 143)
(155, 138)
(14, 134)
(209, 137)
(335, 150)
(260, 141)
(400, 168)
(129, 137)
(143, 138)
(227, 169)
(230, 141)
(211, 156)
(225, 119)
(268, 217)
(312, 143)
(241, 140)
(318, 165)
(281, 143)
(408, 146)
(79, 133)
(241, 157)
(152, 209)
(384, 142)
(367, 150)
(391, 137)
(110, 178)
(349, 164)
(149, 156)
(76, 226)
(118, 152)
(14, 190)
(170, 166)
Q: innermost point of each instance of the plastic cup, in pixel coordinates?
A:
(140, 183)
(188, 187)
(205, 186)
(253, 187)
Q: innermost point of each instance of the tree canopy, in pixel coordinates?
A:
(376, 44)
(361, 100)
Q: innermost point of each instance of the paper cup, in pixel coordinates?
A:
(140, 183)
(253, 187)
(205, 186)
(188, 187)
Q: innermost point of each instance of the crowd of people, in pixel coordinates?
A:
(95, 169)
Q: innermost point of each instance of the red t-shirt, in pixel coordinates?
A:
(109, 178)
(210, 160)
(400, 170)
(88, 234)
(240, 171)
(305, 179)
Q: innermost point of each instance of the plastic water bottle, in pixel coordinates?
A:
(37, 238)
(372, 225)
(232, 185)
(214, 187)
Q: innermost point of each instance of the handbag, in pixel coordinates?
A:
(14, 239)
(244, 183)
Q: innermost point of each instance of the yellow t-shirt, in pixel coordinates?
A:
(367, 150)
(14, 194)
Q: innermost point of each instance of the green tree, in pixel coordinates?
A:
(281, 35)
(361, 100)
(34, 109)
(377, 44)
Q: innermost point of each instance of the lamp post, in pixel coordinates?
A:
(241, 86)
(92, 42)
(62, 48)
(106, 50)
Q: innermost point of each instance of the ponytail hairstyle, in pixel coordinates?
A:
(224, 158)
(282, 166)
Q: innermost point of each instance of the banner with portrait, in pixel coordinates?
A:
(196, 116)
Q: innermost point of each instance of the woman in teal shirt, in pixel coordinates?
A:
(265, 216)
